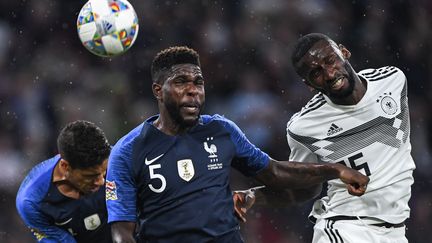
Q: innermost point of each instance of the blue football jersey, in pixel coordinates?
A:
(177, 187)
(53, 217)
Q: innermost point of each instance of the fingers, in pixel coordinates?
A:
(356, 189)
(243, 201)
(239, 209)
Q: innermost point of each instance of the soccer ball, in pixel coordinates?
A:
(107, 27)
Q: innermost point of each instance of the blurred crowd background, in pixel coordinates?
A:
(47, 79)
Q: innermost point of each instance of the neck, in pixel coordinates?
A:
(169, 126)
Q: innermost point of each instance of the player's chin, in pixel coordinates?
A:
(190, 119)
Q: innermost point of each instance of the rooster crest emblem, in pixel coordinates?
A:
(212, 150)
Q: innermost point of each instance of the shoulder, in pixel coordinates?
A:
(124, 144)
(306, 114)
(382, 74)
(218, 119)
(220, 124)
(207, 119)
(35, 185)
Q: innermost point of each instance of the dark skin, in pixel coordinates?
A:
(77, 182)
(180, 94)
(325, 68)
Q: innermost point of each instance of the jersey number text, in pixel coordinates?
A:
(352, 163)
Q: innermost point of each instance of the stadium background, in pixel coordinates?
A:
(47, 79)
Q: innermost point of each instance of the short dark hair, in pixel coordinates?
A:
(171, 56)
(83, 144)
(304, 44)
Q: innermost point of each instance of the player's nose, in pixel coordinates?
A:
(329, 72)
(192, 89)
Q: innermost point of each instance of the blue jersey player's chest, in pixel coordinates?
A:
(85, 218)
(186, 164)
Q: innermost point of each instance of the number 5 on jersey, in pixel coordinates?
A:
(154, 175)
(353, 164)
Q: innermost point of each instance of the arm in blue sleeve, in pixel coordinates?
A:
(120, 185)
(41, 229)
(249, 159)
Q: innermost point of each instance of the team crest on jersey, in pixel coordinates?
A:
(388, 104)
(185, 169)
(92, 222)
(110, 190)
(211, 149)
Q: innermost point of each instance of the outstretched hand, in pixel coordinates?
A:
(355, 181)
(243, 201)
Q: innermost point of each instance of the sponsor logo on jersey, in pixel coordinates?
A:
(388, 104)
(92, 222)
(148, 162)
(333, 129)
(64, 222)
(110, 190)
(185, 169)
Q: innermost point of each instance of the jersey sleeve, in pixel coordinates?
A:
(248, 159)
(299, 152)
(120, 185)
(42, 230)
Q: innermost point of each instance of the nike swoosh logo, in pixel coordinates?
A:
(63, 223)
(148, 162)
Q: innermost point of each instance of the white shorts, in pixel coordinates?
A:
(355, 231)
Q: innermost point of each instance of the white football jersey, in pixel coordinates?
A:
(372, 137)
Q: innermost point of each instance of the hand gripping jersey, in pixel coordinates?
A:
(371, 137)
(53, 217)
(178, 186)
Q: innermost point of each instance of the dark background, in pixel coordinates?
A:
(47, 79)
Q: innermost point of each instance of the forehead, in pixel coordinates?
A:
(184, 69)
(320, 50)
(317, 53)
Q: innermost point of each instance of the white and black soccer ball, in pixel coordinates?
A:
(107, 27)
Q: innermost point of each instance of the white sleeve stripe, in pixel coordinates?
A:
(379, 72)
(384, 75)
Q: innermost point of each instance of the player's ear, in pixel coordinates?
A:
(64, 167)
(157, 90)
(345, 52)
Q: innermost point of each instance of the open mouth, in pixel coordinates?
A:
(191, 107)
(337, 83)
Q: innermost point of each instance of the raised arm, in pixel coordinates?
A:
(281, 175)
(291, 183)
(122, 232)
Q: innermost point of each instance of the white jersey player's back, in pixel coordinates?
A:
(371, 136)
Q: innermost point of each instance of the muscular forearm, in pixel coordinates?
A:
(295, 175)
